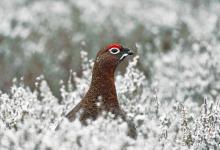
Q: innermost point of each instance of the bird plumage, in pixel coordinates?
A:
(102, 95)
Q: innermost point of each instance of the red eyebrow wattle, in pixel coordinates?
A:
(115, 45)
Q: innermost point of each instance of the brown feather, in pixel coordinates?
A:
(102, 85)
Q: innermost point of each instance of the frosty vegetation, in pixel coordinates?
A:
(28, 119)
(170, 89)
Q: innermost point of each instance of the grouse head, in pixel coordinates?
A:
(110, 56)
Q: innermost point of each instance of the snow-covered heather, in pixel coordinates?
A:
(28, 118)
(195, 72)
(170, 89)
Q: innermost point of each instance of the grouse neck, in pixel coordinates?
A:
(103, 74)
(103, 84)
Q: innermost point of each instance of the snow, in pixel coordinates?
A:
(171, 94)
(28, 119)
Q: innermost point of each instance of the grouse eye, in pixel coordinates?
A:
(114, 51)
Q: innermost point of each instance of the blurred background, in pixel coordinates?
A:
(45, 37)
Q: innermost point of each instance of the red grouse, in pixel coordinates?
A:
(102, 95)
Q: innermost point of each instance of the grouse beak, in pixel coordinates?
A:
(126, 52)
